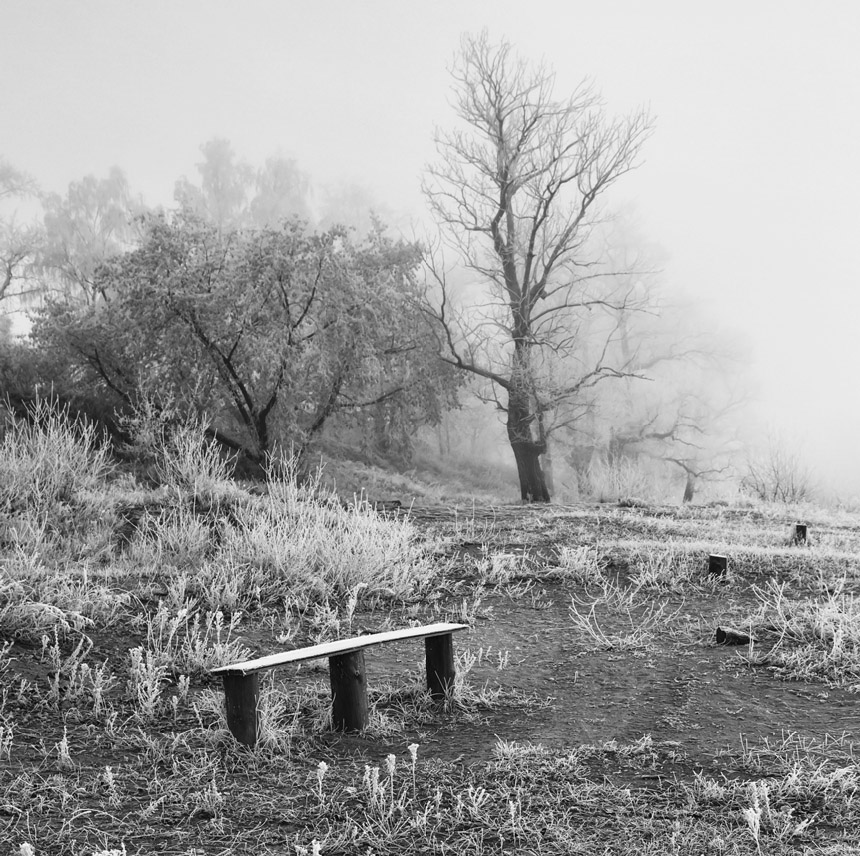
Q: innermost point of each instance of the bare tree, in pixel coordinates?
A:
(689, 430)
(514, 194)
(688, 412)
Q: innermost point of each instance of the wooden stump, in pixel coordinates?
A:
(799, 536)
(718, 565)
(439, 655)
(348, 691)
(241, 696)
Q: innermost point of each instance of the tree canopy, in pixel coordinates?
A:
(268, 331)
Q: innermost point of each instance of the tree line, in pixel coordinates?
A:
(248, 304)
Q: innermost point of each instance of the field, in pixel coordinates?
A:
(593, 712)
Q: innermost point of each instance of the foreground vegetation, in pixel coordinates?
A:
(118, 595)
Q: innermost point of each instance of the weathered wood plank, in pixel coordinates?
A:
(341, 646)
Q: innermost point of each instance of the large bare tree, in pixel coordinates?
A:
(515, 193)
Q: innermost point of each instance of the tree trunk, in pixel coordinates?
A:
(532, 484)
(381, 435)
(548, 473)
(527, 450)
(689, 488)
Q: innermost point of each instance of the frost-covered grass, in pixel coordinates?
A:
(528, 799)
(49, 459)
(116, 599)
(808, 638)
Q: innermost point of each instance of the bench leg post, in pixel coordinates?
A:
(439, 652)
(241, 696)
(348, 691)
(718, 565)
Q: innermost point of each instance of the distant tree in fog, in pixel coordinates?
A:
(232, 194)
(93, 221)
(515, 194)
(21, 238)
(686, 420)
(282, 191)
(680, 405)
(356, 207)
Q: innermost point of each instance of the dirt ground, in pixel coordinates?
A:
(658, 706)
(699, 699)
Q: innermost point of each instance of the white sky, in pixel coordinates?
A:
(751, 181)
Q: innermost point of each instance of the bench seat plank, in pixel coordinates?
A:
(341, 646)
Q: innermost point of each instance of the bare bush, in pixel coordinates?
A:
(778, 475)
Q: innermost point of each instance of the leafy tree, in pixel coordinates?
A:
(515, 194)
(270, 332)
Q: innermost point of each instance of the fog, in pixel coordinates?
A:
(749, 184)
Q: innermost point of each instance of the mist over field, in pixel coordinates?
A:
(728, 306)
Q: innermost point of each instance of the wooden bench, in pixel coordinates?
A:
(346, 675)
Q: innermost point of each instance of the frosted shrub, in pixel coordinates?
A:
(190, 642)
(189, 460)
(178, 536)
(146, 678)
(619, 480)
(326, 550)
(35, 598)
(176, 448)
(582, 563)
(302, 539)
(49, 458)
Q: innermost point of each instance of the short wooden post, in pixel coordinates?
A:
(241, 696)
(799, 536)
(718, 565)
(439, 651)
(348, 691)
